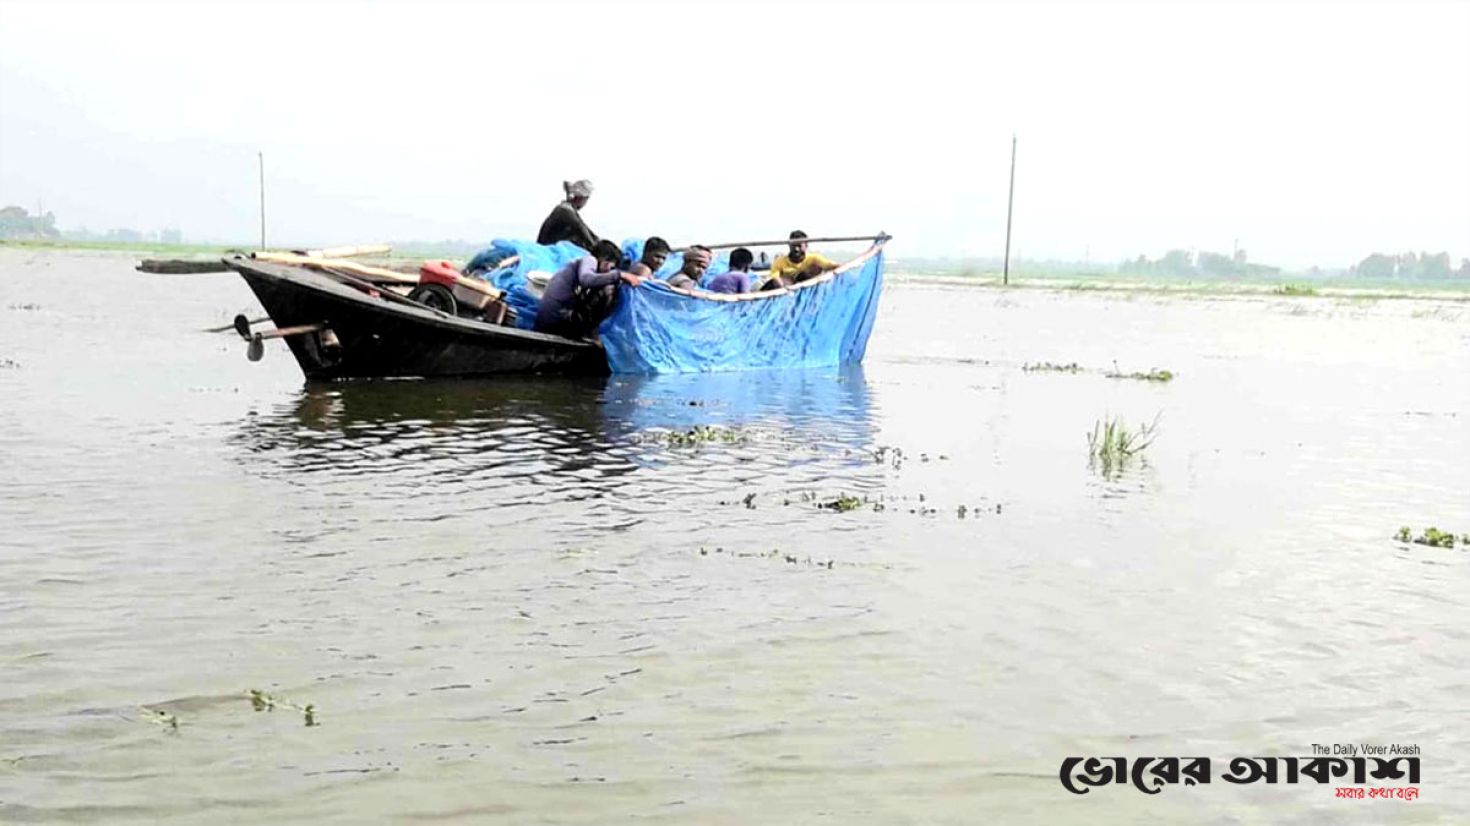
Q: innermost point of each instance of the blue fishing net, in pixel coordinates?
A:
(656, 330)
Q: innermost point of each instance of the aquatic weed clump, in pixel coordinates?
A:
(1433, 537)
(1154, 374)
(1112, 442)
(697, 435)
(1294, 289)
(842, 504)
(261, 701)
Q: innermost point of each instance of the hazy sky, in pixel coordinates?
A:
(1312, 132)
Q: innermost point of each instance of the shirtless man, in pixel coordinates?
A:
(696, 261)
(655, 253)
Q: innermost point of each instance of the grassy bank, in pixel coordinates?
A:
(1452, 290)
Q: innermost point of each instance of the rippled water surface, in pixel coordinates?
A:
(521, 600)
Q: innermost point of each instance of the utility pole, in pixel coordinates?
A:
(1010, 201)
(262, 199)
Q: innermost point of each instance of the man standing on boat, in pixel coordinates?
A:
(797, 264)
(565, 221)
(581, 294)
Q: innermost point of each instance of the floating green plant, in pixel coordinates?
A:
(1048, 367)
(1112, 442)
(1433, 537)
(842, 504)
(261, 701)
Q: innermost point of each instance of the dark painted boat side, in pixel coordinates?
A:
(383, 339)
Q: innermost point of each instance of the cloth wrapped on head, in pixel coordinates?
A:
(578, 189)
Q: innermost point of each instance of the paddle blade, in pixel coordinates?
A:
(242, 326)
(256, 350)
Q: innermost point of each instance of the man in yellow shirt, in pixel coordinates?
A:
(797, 265)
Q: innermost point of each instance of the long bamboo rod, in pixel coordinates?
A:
(784, 241)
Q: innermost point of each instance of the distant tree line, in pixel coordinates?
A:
(126, 236)
(1204, 263)
(1410, 266)
(16, 224)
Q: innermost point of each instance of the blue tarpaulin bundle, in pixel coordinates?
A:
(532, 257)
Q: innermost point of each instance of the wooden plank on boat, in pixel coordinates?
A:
(364, 270)
(181, 266)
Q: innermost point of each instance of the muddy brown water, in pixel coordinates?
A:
(517, 601)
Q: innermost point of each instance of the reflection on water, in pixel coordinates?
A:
(520, 600)
(539, 441)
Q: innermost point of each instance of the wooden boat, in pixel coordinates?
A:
(342, 319)
(340, 325)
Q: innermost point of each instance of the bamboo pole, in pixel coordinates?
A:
(785, 241)
(347, 252)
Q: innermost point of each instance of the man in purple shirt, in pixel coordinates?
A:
(581, 294)
(737, 280)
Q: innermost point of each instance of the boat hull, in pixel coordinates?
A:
(378, 338)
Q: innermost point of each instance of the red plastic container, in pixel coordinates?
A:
(439, 272)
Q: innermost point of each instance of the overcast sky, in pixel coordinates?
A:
(1312, 132)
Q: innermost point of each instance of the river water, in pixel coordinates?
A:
(521, 601)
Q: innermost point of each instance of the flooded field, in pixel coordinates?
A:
(895, 594)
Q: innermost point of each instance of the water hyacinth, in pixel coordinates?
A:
(1433, 537)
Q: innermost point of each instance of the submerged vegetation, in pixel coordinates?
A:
(1433, 537)
(1154, 374)
(1048, 367)
(1112, 442)
(789, 559)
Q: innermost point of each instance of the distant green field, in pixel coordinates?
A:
(118, 246)
(429, 250)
